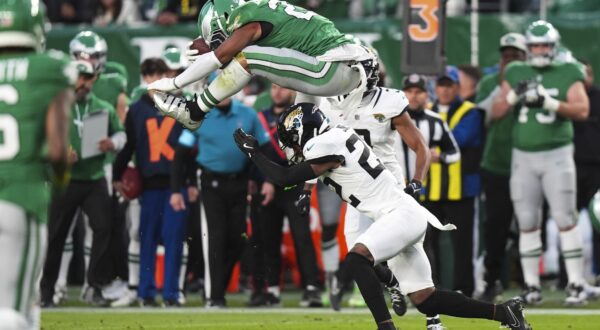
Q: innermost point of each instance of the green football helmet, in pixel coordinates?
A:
(211, 28)
(223, 10)
(22, 24)
(594, 211)
(89, 46)
(542, 32)
(173, 59)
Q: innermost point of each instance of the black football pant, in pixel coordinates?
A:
(224, 201)
(498, 218)
(462, 214)
(94, 200)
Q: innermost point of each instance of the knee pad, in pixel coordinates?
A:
(530, 243)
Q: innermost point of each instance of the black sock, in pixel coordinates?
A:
(385, 275)
(456, 304)
(368, 283)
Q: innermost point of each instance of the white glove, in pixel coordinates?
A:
(550, 103)
(191, 54)
(164, 85)
(512, 98)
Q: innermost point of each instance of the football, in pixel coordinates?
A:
(132, 183)
(200, 45)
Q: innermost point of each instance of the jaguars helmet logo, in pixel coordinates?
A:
(294, 119)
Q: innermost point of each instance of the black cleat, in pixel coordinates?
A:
(311, 297)
(491, 292)
(398, 300)
(257, 299)
(336, 293)
(514, 312)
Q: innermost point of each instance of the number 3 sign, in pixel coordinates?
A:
(423, 38)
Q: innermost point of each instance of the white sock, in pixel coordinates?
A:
(530, 248)
(133, 254)
(184, 260)
(61, 281)
(274, 290)
(228, 82)
(331, 255)
(571, 248)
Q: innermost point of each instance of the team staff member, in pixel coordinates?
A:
(495, 166)
(224, 186)
(88, 189)
(452, 188)
(153, 138)
(271, 204)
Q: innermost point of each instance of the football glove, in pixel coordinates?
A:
(246, 142)
(303, 203)
(414, 188)
(514, 96)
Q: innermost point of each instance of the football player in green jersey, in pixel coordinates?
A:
(546, 95)
(290, 46)
(35, 97)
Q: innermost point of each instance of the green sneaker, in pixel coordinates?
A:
(356, 299)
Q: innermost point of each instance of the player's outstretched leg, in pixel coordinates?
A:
(431, 301)
(359, 263)
(393, 287)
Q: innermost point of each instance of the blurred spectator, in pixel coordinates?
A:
(151, 70)
(442, 145)
(153, 137)
(270, 205)
(71, 11)
(495, 166)
(452, 189)
(116, 12)
(469, 77)
(224, 188)
(587, 154)
(88, 189)
(180, 11)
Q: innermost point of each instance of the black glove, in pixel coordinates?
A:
(303, 203)
(414, 189)
(529, 92)
(246, 142)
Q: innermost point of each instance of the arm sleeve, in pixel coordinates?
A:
(468, 130)
(125, 154)
(283, 176)
(450, 153)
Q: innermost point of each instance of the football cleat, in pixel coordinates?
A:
(178, 108)
(311, 297)
(593, 292)
(514, 311)
(434, 323)
(126, 300)
(336, 293)
(531, 296)
(398, 300)
(491, 293)
(576, 295)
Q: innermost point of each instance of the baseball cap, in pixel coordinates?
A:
(414, 80)
(450, 74)
(515, 40)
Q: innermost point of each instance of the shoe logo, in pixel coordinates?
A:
(247, 146)
(515, 321)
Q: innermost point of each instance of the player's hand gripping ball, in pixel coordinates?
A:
(195, 49)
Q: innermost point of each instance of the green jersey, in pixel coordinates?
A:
(109, 86)
(537, 129)
(91, 168)
(28, 84)
(115, 67)
(497, 152)
(293, 27)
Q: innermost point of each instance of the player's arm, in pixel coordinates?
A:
(209, 62)
(501, 105)
(414, 139)
(280, 175)
(122, 106)
(57, 133)
(577, 105)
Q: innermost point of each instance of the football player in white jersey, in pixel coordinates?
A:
(344, 162)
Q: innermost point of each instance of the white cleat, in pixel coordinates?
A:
(115, 290)
(128, 299)
(175, 107)
(576, 295)
(592, 292)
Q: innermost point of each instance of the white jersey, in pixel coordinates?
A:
(362, 180)
(372, 121)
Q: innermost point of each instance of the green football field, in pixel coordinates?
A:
(551, 315)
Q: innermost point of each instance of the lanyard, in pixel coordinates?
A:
(79, 120)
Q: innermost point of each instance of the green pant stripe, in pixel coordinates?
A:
(23, 271)
(572, 256)
(210, 96)
(318, 81)
(285, 61)
(572, 251)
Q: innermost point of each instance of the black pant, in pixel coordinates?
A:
(93, 198)
(498, 217)
(119, 240)
(224, 201)
(588, 182)
(461, 213)
(267, 223)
